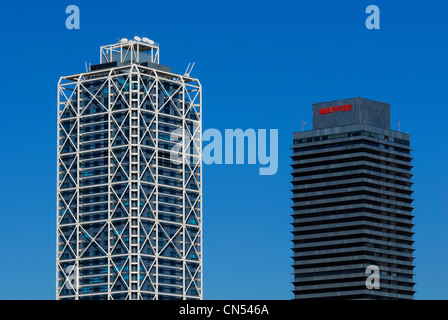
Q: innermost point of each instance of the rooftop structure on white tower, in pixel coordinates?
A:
(131, 51)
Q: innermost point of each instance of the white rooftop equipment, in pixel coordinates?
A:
(149, 41)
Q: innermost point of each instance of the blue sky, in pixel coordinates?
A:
(262, 64)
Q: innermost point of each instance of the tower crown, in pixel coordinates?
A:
(126, 51)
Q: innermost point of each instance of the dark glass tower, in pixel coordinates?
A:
(352, 204)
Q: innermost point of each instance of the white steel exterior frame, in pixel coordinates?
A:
(184, 236)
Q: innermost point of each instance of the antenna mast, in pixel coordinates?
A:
(187, 73)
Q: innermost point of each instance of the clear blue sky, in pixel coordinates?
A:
(262, 64)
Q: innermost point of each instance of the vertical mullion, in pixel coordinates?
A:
(78, 166)
(109, 186)
(184, 252)
(156, 185)
(58, 226)
(200, 192)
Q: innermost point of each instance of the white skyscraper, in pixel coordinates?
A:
(129, 218)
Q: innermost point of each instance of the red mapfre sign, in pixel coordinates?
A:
(347, 107)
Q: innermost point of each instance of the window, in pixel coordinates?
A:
(95, 280)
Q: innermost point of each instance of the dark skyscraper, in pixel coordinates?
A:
(352, 204)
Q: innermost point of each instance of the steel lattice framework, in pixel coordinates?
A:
(129, 219)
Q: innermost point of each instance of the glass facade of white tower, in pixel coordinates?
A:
(129, 218)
